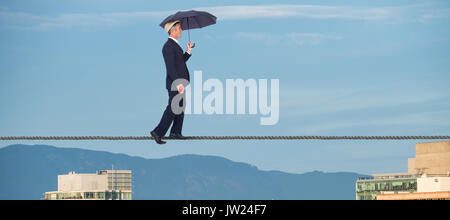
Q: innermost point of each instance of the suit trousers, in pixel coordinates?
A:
(169, 116)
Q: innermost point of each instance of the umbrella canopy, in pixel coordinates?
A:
(191, 19)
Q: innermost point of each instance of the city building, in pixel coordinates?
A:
(428, 177)
(431, 158)
(367, 188)
(103, 185)
(428, 188)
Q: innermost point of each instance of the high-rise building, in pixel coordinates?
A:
(103, 185)
(428, 177)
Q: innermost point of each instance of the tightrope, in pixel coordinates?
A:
(119, 138)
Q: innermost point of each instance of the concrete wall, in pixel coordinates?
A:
(433, 184)
(412, 166)
(82, 182)
(431, 158)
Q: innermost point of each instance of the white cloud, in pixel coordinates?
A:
(433, 118)
(434, 14)
(69, 20)
(269, 39)
(306, 11)
(309, 38)
(77, 20)
(295, 38)
(301, 102)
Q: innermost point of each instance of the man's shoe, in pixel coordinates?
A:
(157, 138)
(177, 136)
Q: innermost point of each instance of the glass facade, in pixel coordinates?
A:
(118, 180)
(107, 195)
(368, 188)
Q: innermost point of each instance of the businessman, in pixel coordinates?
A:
(177, 78)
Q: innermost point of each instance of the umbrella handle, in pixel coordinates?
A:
(192, 44)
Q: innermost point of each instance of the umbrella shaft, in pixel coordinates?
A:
(189, 31)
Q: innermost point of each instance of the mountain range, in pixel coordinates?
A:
(28, 171)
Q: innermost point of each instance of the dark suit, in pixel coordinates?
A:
(176, 68)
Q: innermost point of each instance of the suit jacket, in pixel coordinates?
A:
(175, 62)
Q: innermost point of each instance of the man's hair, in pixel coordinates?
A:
(174, 26)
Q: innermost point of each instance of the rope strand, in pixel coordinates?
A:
(117, 138)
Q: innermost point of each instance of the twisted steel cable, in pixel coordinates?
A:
(119, 138)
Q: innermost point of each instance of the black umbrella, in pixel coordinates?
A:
(191, 20)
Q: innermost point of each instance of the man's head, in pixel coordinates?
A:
(173, 28)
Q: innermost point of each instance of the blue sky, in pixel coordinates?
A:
(345, 68)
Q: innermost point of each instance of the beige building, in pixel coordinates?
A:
(103, 185)
(431, 158)
(433, 184)
(428, 177)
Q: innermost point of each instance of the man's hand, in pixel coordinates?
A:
(180, 88)
(189, 47)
